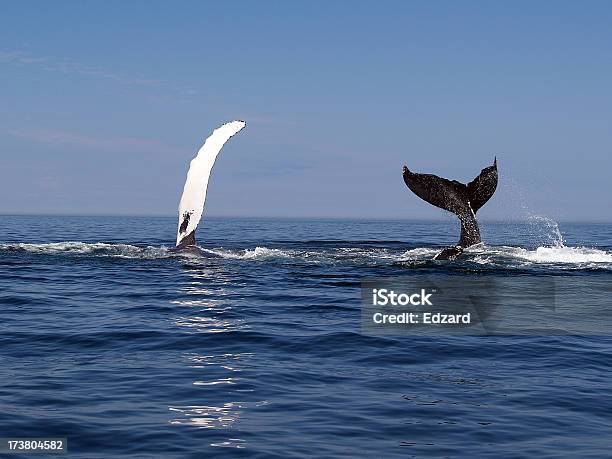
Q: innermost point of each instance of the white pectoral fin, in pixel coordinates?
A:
(196, 185)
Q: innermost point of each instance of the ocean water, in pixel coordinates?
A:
(131, 351)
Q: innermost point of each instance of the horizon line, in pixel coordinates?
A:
(291, 217)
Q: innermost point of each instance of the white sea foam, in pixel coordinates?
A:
(83, 248)
(132, 251)
(566, 255)
(419, 253)
(501, 256)
(561, 256)
(250, 254)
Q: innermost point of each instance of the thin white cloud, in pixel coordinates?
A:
(68, 66)
(116, 144)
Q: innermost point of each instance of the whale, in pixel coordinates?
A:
(193, 199)
(463, 200)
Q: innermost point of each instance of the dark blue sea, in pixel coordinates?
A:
(131, 351)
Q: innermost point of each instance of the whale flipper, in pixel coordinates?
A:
(187, 241)
(458, 198)
(192, 202)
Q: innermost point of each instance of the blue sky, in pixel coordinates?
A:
(103, 104)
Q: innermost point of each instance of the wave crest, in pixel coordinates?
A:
(84, 248)
(250, 254)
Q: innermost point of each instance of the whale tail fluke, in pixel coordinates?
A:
(458, 198)
(481, 189)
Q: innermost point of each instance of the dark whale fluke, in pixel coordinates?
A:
(458, 198)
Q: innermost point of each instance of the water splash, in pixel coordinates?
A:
(546, 228)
